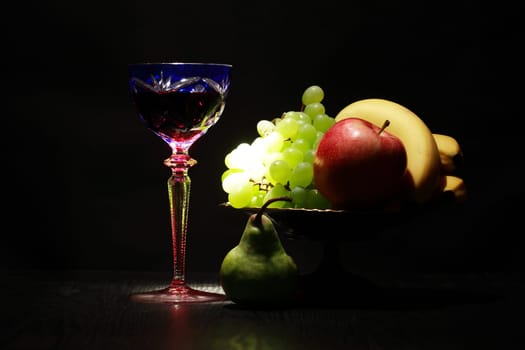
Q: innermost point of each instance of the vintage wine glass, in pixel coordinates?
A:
(179, 102)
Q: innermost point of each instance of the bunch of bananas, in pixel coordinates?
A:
(433, 159)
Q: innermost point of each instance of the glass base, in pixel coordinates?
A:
(178, 294)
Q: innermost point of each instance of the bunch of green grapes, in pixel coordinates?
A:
(279, 161)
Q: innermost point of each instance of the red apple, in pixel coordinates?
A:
(359, 165)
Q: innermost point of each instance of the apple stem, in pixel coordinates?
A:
(385, 124)
(260, 212)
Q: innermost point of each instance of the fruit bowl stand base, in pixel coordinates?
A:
(331, 283)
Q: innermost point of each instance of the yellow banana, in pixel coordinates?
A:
(456, 186)
(450, 153)
(423, 162)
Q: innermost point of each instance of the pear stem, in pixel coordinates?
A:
(260, 212)
(385, 124)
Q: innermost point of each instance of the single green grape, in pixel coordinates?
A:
(292, 156)
(264, 127)
(307, 132)
(304, 117)
(302, 175)
(299, 196)
(287, 127)
(312, 94)
(280, 171)
(233, 180)
(291, 114)
(241, 195)
(309, 156)
(302, 145)
(314, 109)
(323, 122)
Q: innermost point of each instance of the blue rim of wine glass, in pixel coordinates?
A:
(182, 63)
(219, 72)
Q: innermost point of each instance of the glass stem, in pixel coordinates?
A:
(179, 185)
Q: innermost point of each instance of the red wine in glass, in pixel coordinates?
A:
(179, 115)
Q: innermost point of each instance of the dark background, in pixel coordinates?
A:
(83, 182)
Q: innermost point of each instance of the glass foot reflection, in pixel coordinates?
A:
(177, 293)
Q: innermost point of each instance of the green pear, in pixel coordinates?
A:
(258, 271)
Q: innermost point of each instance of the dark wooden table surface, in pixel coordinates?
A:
(92, 310)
